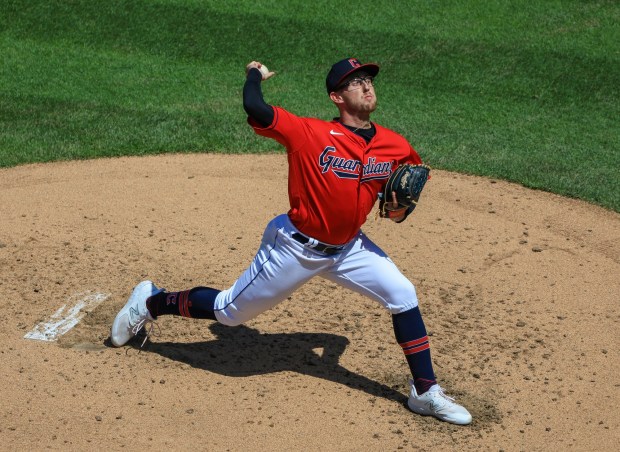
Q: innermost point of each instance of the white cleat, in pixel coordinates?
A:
(435, 403)
(134, 315)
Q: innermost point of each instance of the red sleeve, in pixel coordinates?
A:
(286, 128)
(414, 157)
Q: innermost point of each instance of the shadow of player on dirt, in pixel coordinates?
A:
(242, 351)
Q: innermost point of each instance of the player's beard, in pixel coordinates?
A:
(367, 103)
(370, 106)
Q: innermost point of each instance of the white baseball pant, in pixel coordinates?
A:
(282, 265)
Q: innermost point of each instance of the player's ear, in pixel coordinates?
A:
(336, 97)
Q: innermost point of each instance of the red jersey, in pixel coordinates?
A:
(334, 175)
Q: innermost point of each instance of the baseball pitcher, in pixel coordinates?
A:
(338, 170)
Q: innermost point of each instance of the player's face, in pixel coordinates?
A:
(358, 93)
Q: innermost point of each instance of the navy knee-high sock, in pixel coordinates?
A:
(411, 335)
(196, 303)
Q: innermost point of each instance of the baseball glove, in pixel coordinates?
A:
(407, 181)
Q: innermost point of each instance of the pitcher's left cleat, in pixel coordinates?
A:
(435, 403)
(134, 315)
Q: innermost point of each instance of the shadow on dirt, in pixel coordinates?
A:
(242, 351)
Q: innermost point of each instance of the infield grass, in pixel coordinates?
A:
(518, 90)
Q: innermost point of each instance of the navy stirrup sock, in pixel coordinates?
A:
(197, 303)
(411, 335)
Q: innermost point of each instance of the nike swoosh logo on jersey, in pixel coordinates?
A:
(333, 132)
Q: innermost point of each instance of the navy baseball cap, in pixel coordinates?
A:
(346, 67)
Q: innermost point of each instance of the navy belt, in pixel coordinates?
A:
(316, 245)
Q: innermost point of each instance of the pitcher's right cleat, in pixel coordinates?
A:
(435, 403)
(134, 315)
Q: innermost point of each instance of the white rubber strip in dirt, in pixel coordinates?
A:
(67, 316)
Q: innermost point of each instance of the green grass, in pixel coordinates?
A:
(519, 90)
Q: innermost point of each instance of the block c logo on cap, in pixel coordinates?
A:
(354, 62)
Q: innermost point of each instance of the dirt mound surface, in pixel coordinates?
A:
(519, 289)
